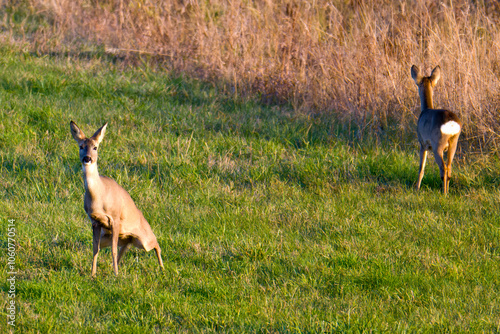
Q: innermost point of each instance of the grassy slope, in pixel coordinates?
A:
(268, 221)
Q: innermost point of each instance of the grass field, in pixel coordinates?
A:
(269, 220)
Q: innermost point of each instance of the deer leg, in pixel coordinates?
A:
(115, 230)
(158, 255)
(96, 240)
(106, 221)
(451, 154)
(123, 250)
(423, 158)
(102, 219)
(438, 156)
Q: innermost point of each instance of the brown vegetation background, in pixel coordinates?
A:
(347, 59)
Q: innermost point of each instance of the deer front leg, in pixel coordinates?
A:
(102, 219)
(96, 240)
(106, 221)
(115, 230)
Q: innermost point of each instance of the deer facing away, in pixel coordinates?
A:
(438, 129)
(115, 219)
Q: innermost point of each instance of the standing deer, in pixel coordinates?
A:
(438, 129)
(115, 219)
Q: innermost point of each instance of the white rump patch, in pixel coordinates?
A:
(450, 128)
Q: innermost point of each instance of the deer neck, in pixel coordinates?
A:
(425, 98)
(92, 180)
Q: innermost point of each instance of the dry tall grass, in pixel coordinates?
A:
(349, 58)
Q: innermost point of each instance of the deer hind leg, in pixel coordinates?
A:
(158, 255)
(452, 148)
(123, 250)
(438, 156)
(423, 158)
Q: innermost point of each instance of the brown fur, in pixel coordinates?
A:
(430, 134)
(116, 221)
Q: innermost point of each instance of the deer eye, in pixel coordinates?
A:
(95, 148)
(81, 147)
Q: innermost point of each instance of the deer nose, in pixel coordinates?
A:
(86, 159)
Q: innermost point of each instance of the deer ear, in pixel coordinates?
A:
(99, 134)
(78, 134)
(415, 74)
(435, 75)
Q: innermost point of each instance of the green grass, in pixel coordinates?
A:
(269, 220)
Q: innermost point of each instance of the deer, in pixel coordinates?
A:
(437, 129)
(116, 220)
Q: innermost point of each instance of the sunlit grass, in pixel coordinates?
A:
(269, 221)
